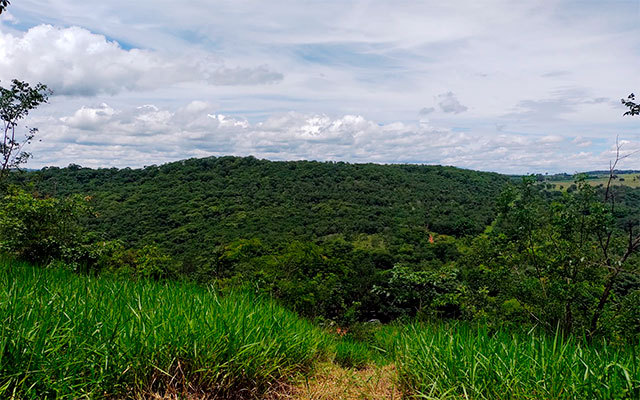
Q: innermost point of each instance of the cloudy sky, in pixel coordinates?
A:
(506, 86)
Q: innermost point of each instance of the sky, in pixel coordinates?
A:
(492, 85)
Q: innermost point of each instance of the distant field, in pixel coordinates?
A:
(631, 180)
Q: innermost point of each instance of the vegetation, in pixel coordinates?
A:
(69, 336)
(629, 102)
(542, 303)
(596, 178)
(189, 207)
(65, 335)
(15, 104)
(545, 257)
(463, 361)
(330, 240)
(3, 5)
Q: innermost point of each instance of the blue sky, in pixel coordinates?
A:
(514, 87)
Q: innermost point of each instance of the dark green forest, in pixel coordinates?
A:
(348, 242)
(187, 207)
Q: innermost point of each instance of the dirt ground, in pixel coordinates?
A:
(331, 382)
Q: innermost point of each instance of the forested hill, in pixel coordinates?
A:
(196, 204)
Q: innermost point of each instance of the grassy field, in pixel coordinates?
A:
(631, 180)
(463, 362)
(69, 336)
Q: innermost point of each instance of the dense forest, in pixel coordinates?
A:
(185, 205)
(320, 236)
(351, 242)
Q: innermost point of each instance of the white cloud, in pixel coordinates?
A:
(551, 139)
(581, 141)
(89, 119)
(75, 61)
(449, 103)
(510, 84)
(144, 135)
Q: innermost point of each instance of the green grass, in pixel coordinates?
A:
(69, 336)
(64, 335)
(459, 361)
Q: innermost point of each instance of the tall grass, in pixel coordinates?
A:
(461, 361)
(69, 336)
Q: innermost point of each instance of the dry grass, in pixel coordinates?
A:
(331, 382)
(328, 382)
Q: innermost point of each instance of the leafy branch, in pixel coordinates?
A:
(15, 104)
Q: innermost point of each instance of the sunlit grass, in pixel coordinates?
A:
(460, 361)
(69, 336)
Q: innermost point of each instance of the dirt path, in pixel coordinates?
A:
(327, 382)
(331, 382)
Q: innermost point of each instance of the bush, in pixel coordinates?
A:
(38, 229)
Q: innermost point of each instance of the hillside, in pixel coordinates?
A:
(190, 207)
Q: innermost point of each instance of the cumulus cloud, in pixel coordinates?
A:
(550, 139)
(89, 119)
(449, 103)
(148, 134)
(75, 61)
(506, 80)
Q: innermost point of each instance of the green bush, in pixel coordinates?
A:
(40, 229)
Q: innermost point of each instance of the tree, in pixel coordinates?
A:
(15, 104)
(40, 230)
(616, 257)
(3, 5)
(629, 102)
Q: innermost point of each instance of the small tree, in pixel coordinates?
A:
(629, 102)
(15, 104)
(3, 5)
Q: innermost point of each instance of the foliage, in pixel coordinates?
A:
(41, 229)
(318, 236)
(429, 293)
(556, 261)
(464, 361)
(548, 257)
(3, 5)
(191, 207)
(68, 336)
(629, 102)
(15, 104)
